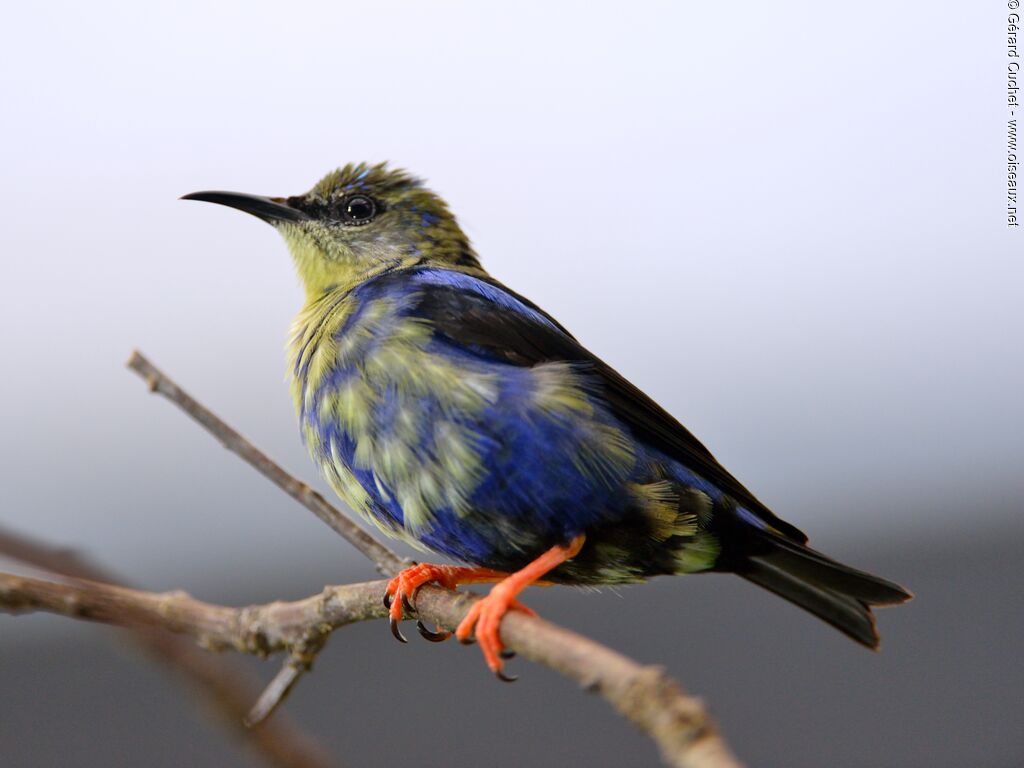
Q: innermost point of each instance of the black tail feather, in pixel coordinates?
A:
(833, 592)
(803, 562)
(846, 614)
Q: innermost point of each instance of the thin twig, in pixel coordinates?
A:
(222, 685)
(386, 561)
(294, 667)
(677, 723)
(300, 660)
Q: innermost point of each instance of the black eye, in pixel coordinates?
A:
(358, 209)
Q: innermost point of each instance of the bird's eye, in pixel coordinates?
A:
(358, 209)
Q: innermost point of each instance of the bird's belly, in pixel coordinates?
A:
(493, 465)
(491, 497)
(643, 526)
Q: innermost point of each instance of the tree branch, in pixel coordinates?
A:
(643, 694)
(259, 630)
(676, 722)
(226, 689)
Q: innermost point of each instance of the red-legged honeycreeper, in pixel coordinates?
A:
(460, 417)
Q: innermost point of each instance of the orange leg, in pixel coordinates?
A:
(485, 615)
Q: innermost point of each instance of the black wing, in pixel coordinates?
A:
(472, 318)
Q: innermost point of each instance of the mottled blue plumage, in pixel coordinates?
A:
(530, 491)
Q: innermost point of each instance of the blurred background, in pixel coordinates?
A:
(784, 221)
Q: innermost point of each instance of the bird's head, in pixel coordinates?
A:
(356, 222)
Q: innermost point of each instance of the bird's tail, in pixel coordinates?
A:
(836, 593)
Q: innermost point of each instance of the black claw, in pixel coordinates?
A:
(407, 605)
(397, 632)
(387, 601)
(467, 641)
(507, 654)
(506, 678)
(434, 637)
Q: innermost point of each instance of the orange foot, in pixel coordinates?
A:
(486, 614)
(401, 591)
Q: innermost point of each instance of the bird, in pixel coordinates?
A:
(456, 415)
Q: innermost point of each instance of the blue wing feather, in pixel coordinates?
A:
(488, 317)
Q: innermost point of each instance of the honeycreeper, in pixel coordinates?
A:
(458, 416)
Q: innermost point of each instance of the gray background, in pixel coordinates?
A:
(784, 221)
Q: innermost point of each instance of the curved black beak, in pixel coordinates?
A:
(271, 209)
